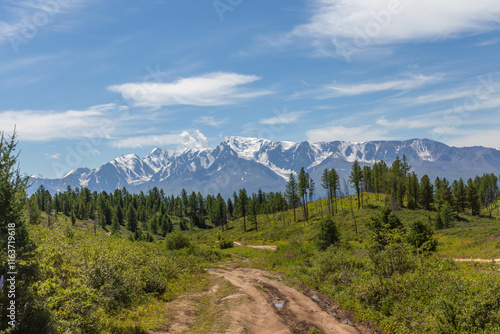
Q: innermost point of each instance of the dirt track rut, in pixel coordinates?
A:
(274, 307)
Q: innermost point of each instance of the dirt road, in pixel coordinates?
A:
(477, 260)
(272, 248)
(249, 300)
(273, 307)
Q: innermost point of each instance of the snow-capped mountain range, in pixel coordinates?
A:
(253, 163)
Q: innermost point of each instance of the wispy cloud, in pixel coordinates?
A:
(184, 139)
(24, 19)
(36, 125)
(212, 89)
(210, 120)
(356, 134)
(403, 123)
(53, 156)
(478, 137)
(412, 82)
(363, 23)
(284, 118)
(487, 42)
(434, 97)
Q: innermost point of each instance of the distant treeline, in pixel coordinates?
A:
(405, 189)
(153, 213)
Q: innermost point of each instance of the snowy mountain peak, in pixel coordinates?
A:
(254, 163)
(158, 152)
(246, 148)
(422, 150)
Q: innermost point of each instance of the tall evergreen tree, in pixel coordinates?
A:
(459, 195)
(473, 198)
(292, 194)
(355, 179)
(131, 218)
(303, 188)
(243, 206)
(12, 224)
(334, 185)
(426, 192)
(325, 183)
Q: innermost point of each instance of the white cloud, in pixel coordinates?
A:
(26, 18)
(480, 137)
(356, 134)
(53, 156)
(283, 118)
(33, 125)
(435, 97)
(184, 139)
(212, 89)
(412, 82)
(209, 120)
(362, 23)
(405, 123)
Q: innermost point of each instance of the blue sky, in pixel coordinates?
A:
(87, 80)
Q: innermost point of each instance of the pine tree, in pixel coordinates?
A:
(12, 223)
(35, 216)
(426, 192)
(473, 198)
(73, 217)
(115, 224)
(292, 194)
(459, 195)
(243, 206)
(412, 190)
(131, 218)
(334, 184)
(303, 188)
(119, 214)
(312, 190)
(355, 179)
(230, 208)
(443, 194)
(325, 183)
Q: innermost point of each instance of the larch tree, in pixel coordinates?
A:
(292, 194)
(355, 179)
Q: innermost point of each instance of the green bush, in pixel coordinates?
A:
(177, 240)
(328, 234)
(420, 236)
(225, 244)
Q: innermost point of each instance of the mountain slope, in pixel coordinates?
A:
(253, 163)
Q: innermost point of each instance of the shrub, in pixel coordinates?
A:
(386, 228)
(224, 244)
(328, 234)
(176, 241)
(421, 237)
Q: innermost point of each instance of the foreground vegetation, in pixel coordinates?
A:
(108, 263)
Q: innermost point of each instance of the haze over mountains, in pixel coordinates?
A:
(253, 163)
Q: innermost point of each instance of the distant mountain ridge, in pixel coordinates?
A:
(254, 163)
